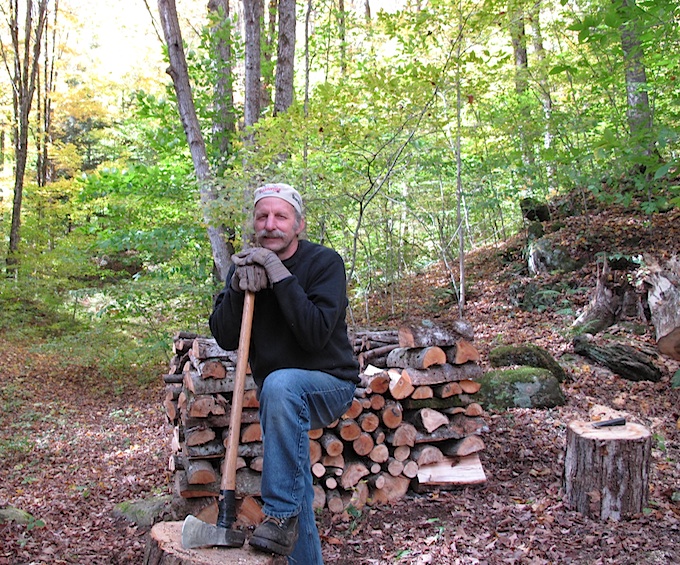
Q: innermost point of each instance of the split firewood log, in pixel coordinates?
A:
(319, 502)
(417, 357)
(426, 334)
(204, 405)
(198, 435)
(207, 348)
(428, 420)
(460, 426)
(377, 402)
(395, 488)
(426, 454)
(447, 389)
(318, 470)
(445, 373)
(257, 464)
(462, 352)
(462, 447)
(194, 383)
(400, 384)
(251, 433)
(422, 392)
(378, 356)
(404, 434)
(353, 472)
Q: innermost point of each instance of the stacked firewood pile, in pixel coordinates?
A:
(413, 424)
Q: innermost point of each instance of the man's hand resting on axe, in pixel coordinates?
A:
(261, 258)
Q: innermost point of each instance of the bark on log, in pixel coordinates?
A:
(207, 348)
(417, 357)
(426, 334)
(663, 298)
(462, 447)
(443, 373)
(603, 306)
(197, 385)
(607, 470)
(622, 359)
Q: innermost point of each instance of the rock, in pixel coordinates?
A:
(523, 387)
(144, 512)
(544, 257)
(529, 355)
(13, 514)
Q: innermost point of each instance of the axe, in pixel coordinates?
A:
(195, 532)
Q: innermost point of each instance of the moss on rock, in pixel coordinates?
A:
(529, 355)
(523, 387)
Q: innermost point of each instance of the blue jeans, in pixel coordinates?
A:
(292, 402)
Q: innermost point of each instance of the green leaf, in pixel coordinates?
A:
(663, 170)
(612, 19)
(675, 379)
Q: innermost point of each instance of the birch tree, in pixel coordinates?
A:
(22, 62)
(180, 79)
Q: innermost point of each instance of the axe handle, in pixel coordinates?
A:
(228, 482)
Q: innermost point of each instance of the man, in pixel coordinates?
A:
(300, 357)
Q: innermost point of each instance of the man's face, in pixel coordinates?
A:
(276, 226)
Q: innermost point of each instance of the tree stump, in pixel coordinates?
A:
(607, 469)
(164, 547)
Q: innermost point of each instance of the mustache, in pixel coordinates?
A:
(270, 233)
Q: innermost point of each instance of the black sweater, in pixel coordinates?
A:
(299, 323)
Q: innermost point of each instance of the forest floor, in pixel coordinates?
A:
(71, 447)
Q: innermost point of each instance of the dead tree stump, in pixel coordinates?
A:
(607, 470)
(164, 547)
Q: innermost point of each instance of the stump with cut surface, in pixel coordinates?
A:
(607, 470)
(164, 547)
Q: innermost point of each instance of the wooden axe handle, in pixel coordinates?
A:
(229, 464)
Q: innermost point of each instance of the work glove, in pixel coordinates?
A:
(275, 269)
(249, 277)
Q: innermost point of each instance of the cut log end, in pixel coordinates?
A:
(164, 547)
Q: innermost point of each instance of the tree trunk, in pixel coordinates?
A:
(180, 78)
(253, 71)
(607, 470)
(224, 125)
(638, 111)
(285, 57)
(26, 63)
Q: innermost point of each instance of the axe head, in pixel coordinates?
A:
(197, 533)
